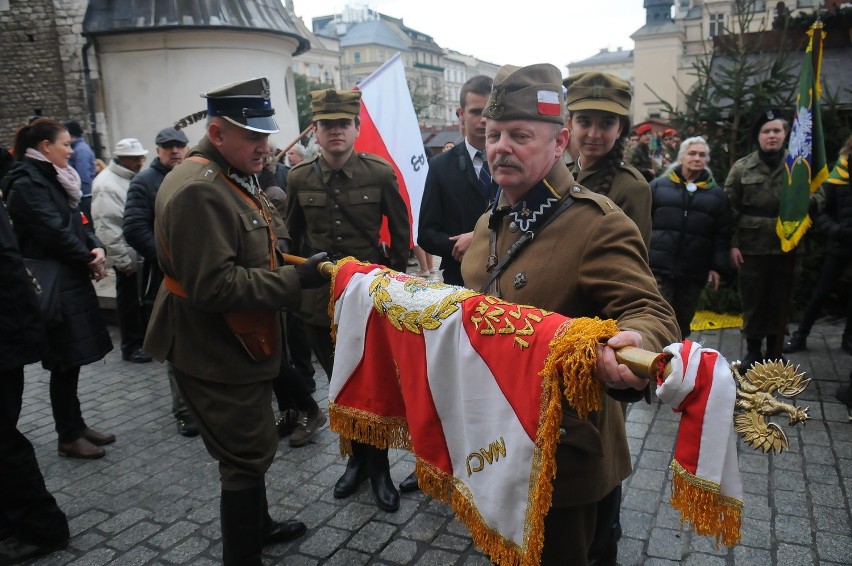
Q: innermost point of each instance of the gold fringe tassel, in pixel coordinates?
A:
(361, 426)
(573, 355)
(702, 505)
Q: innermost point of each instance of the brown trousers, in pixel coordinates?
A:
(237, 425)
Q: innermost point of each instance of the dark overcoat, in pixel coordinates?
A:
(49, 229)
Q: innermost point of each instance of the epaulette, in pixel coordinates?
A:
(633, 171)
(206, 171)
(606, 206)
(373, 157)
(305, 162)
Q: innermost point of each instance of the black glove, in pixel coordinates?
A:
(309, 276)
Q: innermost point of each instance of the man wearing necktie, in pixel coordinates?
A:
(458, 185)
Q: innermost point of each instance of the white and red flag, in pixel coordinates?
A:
(389, 129)
(474, 386)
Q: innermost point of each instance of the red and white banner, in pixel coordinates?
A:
(474, 386)
(706, 485)
(471, 384)
(389, 128)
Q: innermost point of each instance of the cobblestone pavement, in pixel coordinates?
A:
(154, 498)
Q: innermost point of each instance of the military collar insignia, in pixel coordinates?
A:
(495, 105)
(248, 182)
(536, 204)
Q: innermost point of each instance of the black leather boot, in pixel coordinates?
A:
(409, 484)
(387, 497)
(772, 350)
(753, 354)
(356, 472)
(796, 343)
(276, 532)
(241, 515)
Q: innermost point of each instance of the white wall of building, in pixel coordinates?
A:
(171, 70)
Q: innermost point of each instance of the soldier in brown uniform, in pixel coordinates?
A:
(588, 260)
(639, 155)
(337, 201)
(217, 245)
(598, 105)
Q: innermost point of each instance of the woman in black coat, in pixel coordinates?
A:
(690, 230)
(43, 195)
(37, 524)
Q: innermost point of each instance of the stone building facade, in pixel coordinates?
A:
(41, 64)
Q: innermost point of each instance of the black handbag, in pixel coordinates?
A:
(46, 276)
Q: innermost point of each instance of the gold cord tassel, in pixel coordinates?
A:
(573, 356)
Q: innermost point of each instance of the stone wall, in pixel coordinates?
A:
(41, 66)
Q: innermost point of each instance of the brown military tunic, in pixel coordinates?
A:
(589, 262)
(366, 185)
(629, 190)
(216, 245)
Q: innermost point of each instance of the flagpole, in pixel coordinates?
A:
(294, 142)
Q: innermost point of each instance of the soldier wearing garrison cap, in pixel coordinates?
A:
(336, 204)
(216, 317)
(598, 107)
(585, 258)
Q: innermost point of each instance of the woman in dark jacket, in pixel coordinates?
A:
(29, 511)
(43, 195)
(691, 230)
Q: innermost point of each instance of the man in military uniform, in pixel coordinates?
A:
(599, 257)
(217, 243)
(640, 154)
(337, 201)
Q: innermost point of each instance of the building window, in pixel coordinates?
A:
(357, 56)
(313, 70)
(717, 24)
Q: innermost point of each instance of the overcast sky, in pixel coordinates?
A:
(520, 32)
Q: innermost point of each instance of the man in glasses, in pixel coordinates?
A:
(109, 194)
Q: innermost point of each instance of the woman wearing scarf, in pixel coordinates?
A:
(691, 230)
(43, 195)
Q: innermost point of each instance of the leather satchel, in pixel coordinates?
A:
(257, 331)
(46, 278)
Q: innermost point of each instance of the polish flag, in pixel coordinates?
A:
(548, 103)
(389, 129)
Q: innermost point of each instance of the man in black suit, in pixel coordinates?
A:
(457, 189)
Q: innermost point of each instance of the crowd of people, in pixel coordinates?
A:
(235, 324)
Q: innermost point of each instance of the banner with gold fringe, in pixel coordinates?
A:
(706, 485)
(805, 164)
(472, 384)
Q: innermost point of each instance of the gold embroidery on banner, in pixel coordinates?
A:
(488, 455)
(494, 317)
(414, 320)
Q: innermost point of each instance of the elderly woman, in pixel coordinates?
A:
(691, 230)
(43, 198)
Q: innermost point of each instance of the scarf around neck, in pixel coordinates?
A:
(704, 180)
(67, 177)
